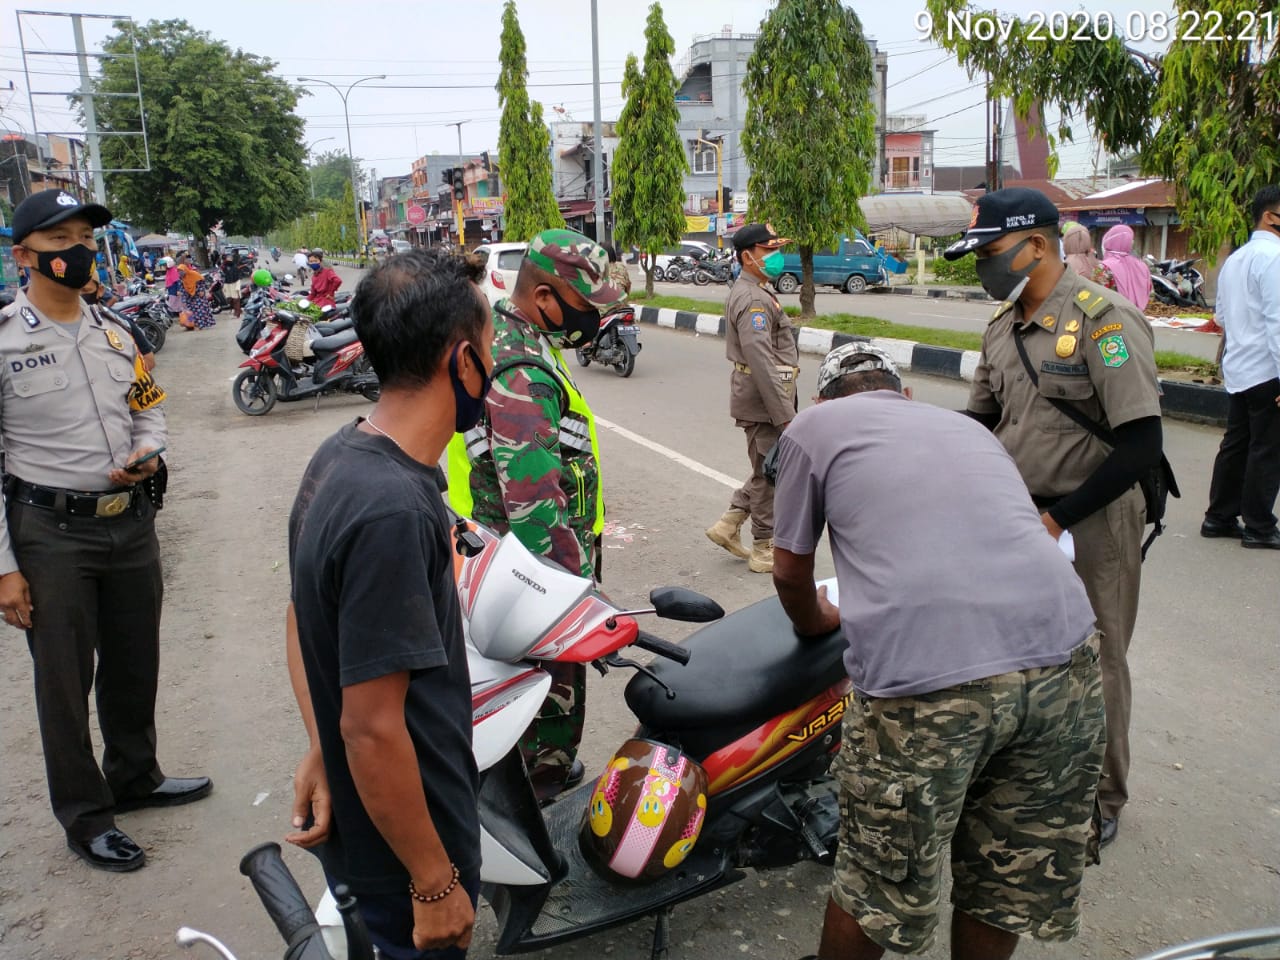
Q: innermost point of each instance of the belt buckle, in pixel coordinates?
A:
(112, 505)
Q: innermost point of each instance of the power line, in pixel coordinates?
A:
(932, 66)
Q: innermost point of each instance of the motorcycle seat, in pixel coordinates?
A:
(329, 327)
(335, 342)
(746, 668)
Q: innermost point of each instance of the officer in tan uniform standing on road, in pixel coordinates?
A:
(761, 344)
(1059, 341)
(82, 427)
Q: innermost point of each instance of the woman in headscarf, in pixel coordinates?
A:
(1078, 246)
(194, 291)
(1133, 277)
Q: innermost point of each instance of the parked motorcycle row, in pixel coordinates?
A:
(1177, 282)
(292, 357)
(716, 267)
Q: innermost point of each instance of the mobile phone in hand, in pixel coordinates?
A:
(144, 458)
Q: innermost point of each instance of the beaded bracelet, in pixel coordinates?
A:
(435, 897)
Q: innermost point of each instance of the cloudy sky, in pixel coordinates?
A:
(440, 59)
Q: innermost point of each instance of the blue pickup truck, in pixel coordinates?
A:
(852, 267)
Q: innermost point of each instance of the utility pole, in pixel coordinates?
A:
(457, 204)
(715, 145)
(91, 132)
(597, 162)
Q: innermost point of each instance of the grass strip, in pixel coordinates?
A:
(1166, 360)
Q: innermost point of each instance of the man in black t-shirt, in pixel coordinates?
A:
(377, 660)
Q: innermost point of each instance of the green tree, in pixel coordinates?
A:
(331, 172)
(523, 142)
(1204, 115)
(649, 163)
(224, 141)
(809, 134)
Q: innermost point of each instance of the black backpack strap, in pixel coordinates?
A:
(1069, 411)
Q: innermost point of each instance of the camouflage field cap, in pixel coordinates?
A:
(854, 358)
(582, 262)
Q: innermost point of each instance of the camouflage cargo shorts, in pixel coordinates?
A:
(1005, 769)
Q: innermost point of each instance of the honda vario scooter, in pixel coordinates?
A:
(615, 344)
(744, 708)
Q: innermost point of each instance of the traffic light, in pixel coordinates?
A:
(484, 160)
(459, 185)
(726, 200)
(447, 176)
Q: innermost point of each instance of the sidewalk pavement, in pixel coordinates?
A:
(1180, 400)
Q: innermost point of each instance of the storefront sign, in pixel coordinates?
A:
(1108, 218)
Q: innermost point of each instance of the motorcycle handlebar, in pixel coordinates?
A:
(284, 902)
(663, 648)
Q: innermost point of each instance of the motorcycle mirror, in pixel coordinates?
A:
(678, 603)
(327, 309)
(304, 304)
(288, 278)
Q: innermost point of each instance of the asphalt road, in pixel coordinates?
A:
(1199, 847)
(937, 313)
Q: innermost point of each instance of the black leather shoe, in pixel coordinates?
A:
(112, 851)
(1216, 528)
(1270, 542)
(576, 774)
(171, 793)
(1110, 827)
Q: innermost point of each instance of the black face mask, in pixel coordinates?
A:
(89, 298)
(71, 267)
(997, 276)
(467, 409)
(578, 326)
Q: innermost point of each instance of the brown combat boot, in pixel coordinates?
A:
(727, 532)
(761, 560)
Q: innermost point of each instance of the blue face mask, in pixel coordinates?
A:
(315, 267)
(467, 409)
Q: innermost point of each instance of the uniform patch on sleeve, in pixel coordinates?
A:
(1103, 331)
(759, 321)
(145, 392)
(1113, 350)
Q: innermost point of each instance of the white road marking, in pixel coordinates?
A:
(732, 483)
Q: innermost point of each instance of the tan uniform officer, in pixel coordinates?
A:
(1094, 351)
(761, 344)
(79, 561)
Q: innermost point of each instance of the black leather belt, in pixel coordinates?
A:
(76, 504)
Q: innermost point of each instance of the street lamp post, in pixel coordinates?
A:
(311, 175)
(719, 192)
(346, 116)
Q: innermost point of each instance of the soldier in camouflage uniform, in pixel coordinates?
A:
(978, 714)
(532, 465)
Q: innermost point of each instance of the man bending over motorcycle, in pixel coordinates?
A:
(377, 660)
(978, 715)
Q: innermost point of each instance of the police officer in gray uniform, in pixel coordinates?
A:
(82, 427)
(760, 342)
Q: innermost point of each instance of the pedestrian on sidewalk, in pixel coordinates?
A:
(1077, 244)
(1246, 473)
(976, 727)
(1060, 342)
(79, 560)
(1133, 277)
(377, 661)
(760, 343)
(234, 270)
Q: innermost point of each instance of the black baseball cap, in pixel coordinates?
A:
(49, 207)
(1001, 212)
(754, 234)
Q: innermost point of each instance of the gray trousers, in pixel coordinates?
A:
(1109, 561)
(95, 588)
(755, 496)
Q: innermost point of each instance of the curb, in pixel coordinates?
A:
(939, 293)
(1179, 400)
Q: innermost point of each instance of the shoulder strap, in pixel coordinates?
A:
(1069, 411)
(537, 364)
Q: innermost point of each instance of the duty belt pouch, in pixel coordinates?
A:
(1158, 484)
(156, 485)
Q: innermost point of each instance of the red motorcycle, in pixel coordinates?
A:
(338, 365)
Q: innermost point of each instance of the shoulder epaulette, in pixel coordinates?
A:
(1001, 311)
(1093, 304)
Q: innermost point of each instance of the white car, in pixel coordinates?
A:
(501, 267)
(688, 248)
